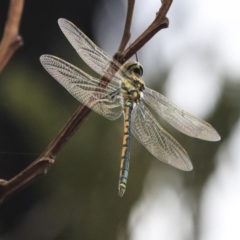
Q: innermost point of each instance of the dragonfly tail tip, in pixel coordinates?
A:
(121, 190)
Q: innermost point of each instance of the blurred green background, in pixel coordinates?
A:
(78, 198)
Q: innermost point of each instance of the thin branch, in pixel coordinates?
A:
(11, 40)
(41, 164)
(159, 23)
(128, 23)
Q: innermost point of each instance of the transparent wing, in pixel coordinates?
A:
(103, 100)
(157, 141)
(178, 118)
(94, 56)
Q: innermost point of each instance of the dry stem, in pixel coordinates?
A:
(11, 40)
(127, 34)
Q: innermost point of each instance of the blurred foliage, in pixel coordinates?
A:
(78, 198)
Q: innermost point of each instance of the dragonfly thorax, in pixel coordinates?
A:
(132, 85)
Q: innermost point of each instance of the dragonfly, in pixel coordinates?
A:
(121, 91)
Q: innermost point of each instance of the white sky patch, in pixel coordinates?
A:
(161, 212)
(221, 24)
(197, 85)
(221, 199)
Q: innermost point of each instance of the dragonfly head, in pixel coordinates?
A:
(133, 67)
(135, 71)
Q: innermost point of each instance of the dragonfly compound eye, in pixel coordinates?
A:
(138, 70)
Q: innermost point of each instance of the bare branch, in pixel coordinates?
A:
(159, 23)
(41, 164)
(128, 23)
(11, 40)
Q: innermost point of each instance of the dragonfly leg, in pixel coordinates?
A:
(125, 159)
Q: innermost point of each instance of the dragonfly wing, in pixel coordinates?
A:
(178, 118)
(94, 56)
(157, 141)
(85, 88)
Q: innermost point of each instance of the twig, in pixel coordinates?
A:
(128, 23)
(159, 23)
(41, 164)
(11, 40)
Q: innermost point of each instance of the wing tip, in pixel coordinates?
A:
(43, 59)
(213, 137)
(216, 136)
(61, 21)
(64, 24)
(187, 166)
(46, 57)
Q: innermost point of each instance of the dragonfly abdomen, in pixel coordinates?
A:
(125, 159)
